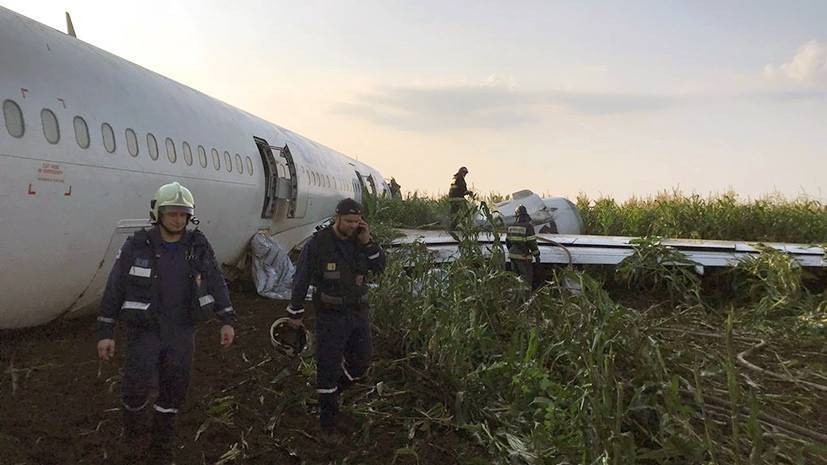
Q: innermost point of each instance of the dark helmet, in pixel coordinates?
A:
(520, 211)
(348, 206)
(291, 341)
(462, 170)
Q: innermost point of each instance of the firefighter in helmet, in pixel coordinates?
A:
(522, 245)
(164, 280)
(457, 193)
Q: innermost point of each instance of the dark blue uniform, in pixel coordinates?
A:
(338, 269)
(160, 290)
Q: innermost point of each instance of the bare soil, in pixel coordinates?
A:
(248, 404)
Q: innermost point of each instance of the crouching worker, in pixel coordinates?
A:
(337, 260)
(164, 281)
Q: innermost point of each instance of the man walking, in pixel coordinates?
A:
(456, 195)
(337, 260)
(164, 280)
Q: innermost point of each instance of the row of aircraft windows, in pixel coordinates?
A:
(15, 125)
(331, 182)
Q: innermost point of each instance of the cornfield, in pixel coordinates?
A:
(647, 363)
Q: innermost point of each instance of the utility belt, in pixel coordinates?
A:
(330, 302)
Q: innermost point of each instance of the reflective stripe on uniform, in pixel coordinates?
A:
(374, 256)
(160, 409)
(327, 391)
(130, 305)
(134, 409)
(513, 238)
(519, 256)
(347, 374)
(226, 310)
(521, 230)
(206, 300)
(103, 319)
(140, 271)
(295, 311)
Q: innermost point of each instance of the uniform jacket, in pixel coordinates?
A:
(521, 240)
(338, 268)
(134, 286)
(458, 187)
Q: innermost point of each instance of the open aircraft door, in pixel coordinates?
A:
(281, 191)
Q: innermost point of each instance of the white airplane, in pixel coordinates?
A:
(87, 137)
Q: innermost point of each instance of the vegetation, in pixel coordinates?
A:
(638, 365)
(767, 219)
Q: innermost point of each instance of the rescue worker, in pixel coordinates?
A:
(396, 189)
(336, 261)
(522, 245)
(457, 193)
(164, 280)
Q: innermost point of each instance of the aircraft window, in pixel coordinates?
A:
(131, 142)
(249, 166)
(187, 153)
(171, 150)
(152, 145)
(50, 128)
(81, 132)
(307, 172)
(108, 137)
(228, 162)
(202, 156)
(216, 159)
(316, 179)
(239, 166)
(14, 118)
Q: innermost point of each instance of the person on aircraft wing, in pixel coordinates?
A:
(522, 245)
(457, 193)
(396, 189)
(337, 260)
(164, 280)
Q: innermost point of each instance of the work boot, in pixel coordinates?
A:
(330, 437)
(134, 422)
(162, 446)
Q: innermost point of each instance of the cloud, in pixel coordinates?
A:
(808, 66)
(493, 103)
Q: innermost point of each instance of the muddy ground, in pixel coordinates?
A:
(246, 404)
(250, 404)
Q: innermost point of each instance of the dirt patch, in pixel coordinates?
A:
(247, 404)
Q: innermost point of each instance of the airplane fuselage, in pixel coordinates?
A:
(87, 137)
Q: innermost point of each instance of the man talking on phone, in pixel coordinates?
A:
(336, 261)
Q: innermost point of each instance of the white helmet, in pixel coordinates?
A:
(291, 341)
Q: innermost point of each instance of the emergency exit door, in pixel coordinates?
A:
(280, 182)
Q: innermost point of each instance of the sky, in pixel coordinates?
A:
(607, 98)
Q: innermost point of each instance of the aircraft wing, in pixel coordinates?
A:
(611, 250)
